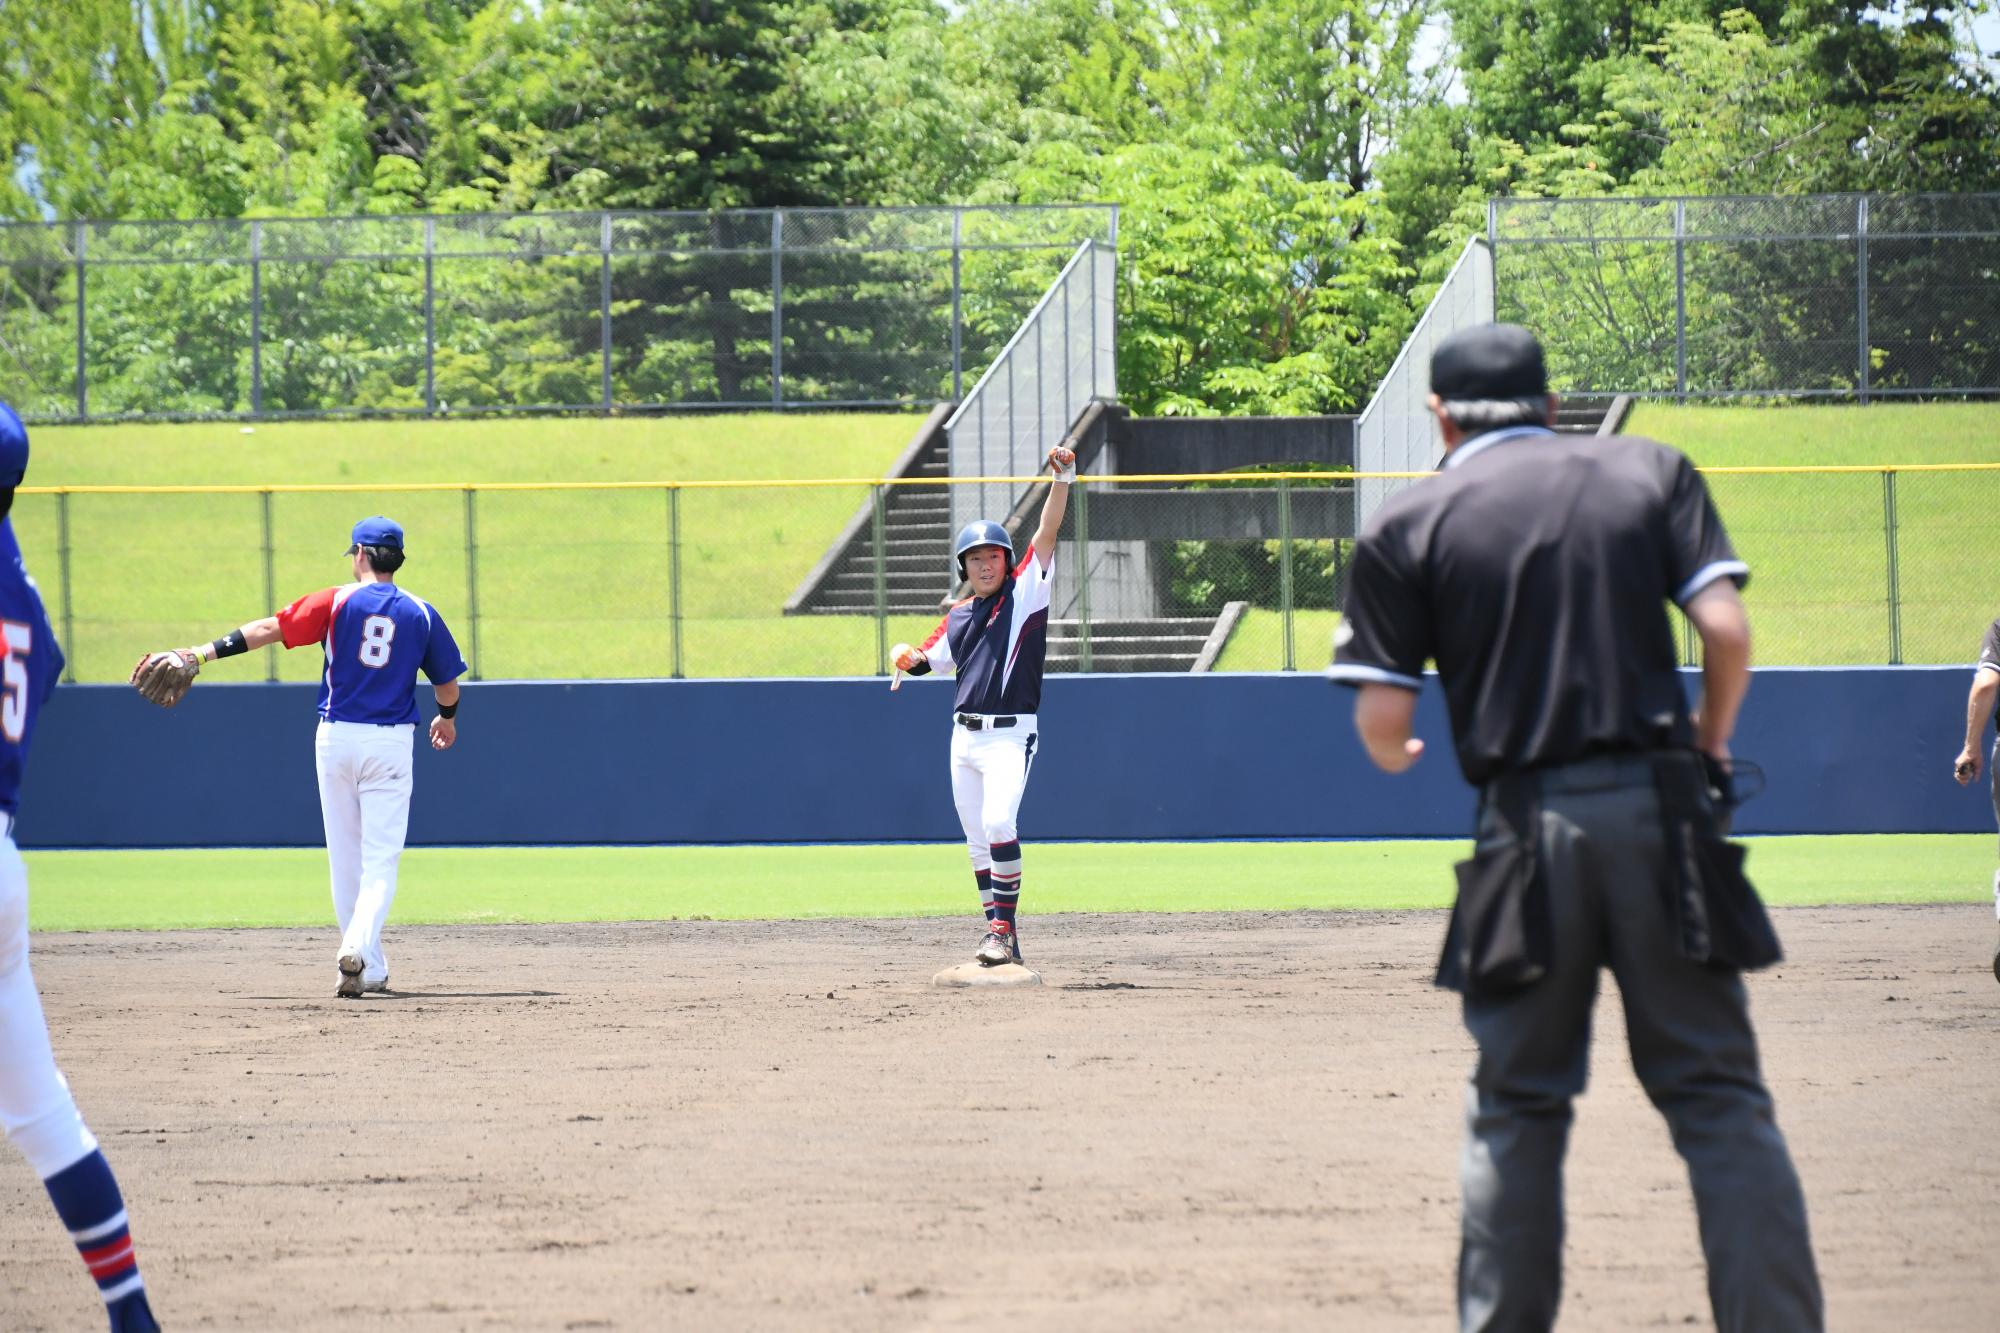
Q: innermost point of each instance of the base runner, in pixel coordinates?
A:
(375, 637)
(36, 1108)
(996, 640)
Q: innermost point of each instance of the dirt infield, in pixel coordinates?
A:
(1244, 1121)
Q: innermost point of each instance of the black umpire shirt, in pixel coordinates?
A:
(1535, 569)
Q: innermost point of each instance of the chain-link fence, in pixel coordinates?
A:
(1061, 359)
(1396, 432)
(1835, 295)
(495, 313)
(1234, 572)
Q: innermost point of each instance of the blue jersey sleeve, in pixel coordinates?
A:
(54, 670)
(442, 661)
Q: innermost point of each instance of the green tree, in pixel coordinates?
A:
(1242, 289)
(701, 104)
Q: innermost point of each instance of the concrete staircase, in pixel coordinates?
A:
(917, 577)
(916, 525)
(1593, 416)
(1156, 644)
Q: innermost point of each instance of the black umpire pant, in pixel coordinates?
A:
(1688, 1027)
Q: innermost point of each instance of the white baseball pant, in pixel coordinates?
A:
(989, 771)
(364, 801)
(36, 1110)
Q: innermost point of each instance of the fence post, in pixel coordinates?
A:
(1285, 566)
(1861, 294)
(1093, 322)
(82, 356)
(777, 307)
(1013, 439)
(1890, 535)
(1680, 300)
(1082, 496)
(878, 536)
(472, 581)
(1068, 352)
(430, 316)
(257, 321)
(1042, 445)
(674, 576)
(69, 603)
(604, 312)
(1111, 325)
(957, 290)
(270, 576)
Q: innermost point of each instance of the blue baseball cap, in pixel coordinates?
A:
(13, 448)
(377, 531)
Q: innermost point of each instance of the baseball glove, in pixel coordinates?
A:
(164, 678)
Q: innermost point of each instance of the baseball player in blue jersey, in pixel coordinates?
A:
(375, 638)
(996, 640)
(36, 1108)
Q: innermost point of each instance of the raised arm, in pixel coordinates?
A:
(1063, 458)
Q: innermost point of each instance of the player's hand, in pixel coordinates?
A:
(1966, 767)
(1063, 459)
(443, 732)
(904, 658)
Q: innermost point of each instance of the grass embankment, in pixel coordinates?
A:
(577, 584)
(568, 584)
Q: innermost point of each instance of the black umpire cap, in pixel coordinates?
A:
(1489, 361)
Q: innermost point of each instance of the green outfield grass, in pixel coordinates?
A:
(286, 887)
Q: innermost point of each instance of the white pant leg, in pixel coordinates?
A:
(36, 1109)
(1003, 758)
(968, 793)
(382, 783)
(335, 757)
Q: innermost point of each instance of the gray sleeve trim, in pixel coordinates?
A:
(1348, 673)
(1708, 574)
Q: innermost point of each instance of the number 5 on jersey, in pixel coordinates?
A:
(377, 633)
(14, 683)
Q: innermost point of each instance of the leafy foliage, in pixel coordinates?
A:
(1294, 174)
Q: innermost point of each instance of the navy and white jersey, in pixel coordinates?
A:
(376, 638)
(997, 644)
(29, 670)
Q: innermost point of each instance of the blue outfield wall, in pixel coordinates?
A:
(1120, 757)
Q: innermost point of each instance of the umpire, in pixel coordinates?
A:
(1534, 569)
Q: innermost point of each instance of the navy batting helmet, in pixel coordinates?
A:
(982, 532)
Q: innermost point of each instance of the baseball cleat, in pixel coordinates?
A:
(999, 946)
(349, 988)
(375, 987)
(1996, 962)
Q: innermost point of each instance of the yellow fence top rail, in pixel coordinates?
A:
(1239, 478)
